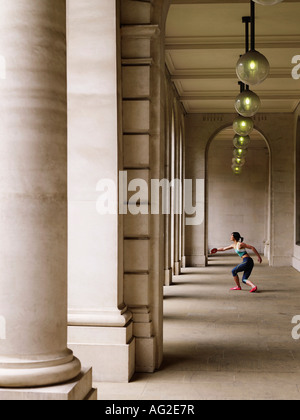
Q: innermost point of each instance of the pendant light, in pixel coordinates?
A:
(238, 161)
(237, 170)
(240, 153)
(243, 126)
(241, 142)
(253, 67)
(247, 103)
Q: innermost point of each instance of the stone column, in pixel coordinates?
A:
(139, 240)
(167, 227)
(183, 259)
(33, 196)
(100, 327)
(143, 83)
(177, 191)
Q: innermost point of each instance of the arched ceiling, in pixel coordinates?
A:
(204, 40)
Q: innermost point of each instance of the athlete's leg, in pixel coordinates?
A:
(249, 283)
(248, 270)
(235, 272)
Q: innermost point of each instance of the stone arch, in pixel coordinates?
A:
(257, 135)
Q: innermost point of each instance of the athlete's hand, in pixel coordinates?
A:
(259, 260)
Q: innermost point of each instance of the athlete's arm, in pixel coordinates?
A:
(252, 249)
(227, 248)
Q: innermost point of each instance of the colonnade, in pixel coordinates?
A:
(174, 172)
(115, 306)
(81, 289)
(75, 280)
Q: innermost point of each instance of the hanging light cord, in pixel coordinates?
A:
(246, 20)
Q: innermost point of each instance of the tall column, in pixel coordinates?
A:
(100, 326)
(33, 196)
(167, 227)
(183, 259)
(143, 68)
(177, 196)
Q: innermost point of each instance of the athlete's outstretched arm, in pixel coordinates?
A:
(226, 248)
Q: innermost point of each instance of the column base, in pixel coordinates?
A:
(296, 263)
(145, 350)
(44, 371)
(110, 350)
(168, 277)
(280, 261)
(79, 389)
(177, 268)
(146, 344)
(183, 262)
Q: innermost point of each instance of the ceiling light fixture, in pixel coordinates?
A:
(238, 161)
(243, 126)
(237, 169)
(240, 153)
(247, 103)
(241, 142)
(253, 67)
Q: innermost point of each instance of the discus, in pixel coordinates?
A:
(214, 251)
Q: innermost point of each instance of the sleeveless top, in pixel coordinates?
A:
(240, 253)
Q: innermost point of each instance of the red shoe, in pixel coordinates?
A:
(236, 288)
(253, 290)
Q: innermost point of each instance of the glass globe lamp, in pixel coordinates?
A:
(268, 2)
(240, 153)
(253, 68)
(247, 103)
(237, 170)
(238, 161)
(243, 125)
(241, 142)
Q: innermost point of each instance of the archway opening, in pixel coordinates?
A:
(239, 203)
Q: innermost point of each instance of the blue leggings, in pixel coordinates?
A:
(246, 267)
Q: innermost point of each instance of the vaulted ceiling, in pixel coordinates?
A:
(204, 40)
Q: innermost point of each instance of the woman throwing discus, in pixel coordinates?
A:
(247, 264)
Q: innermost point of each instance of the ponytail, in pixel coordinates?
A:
(238, 237)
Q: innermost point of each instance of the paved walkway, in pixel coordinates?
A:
(220, 344)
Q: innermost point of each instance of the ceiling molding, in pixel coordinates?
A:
(230, 95)
(217, 109)
(230, 42)
(203, 74)
(217, 73)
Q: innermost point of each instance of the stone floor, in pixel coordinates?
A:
(220, 344)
